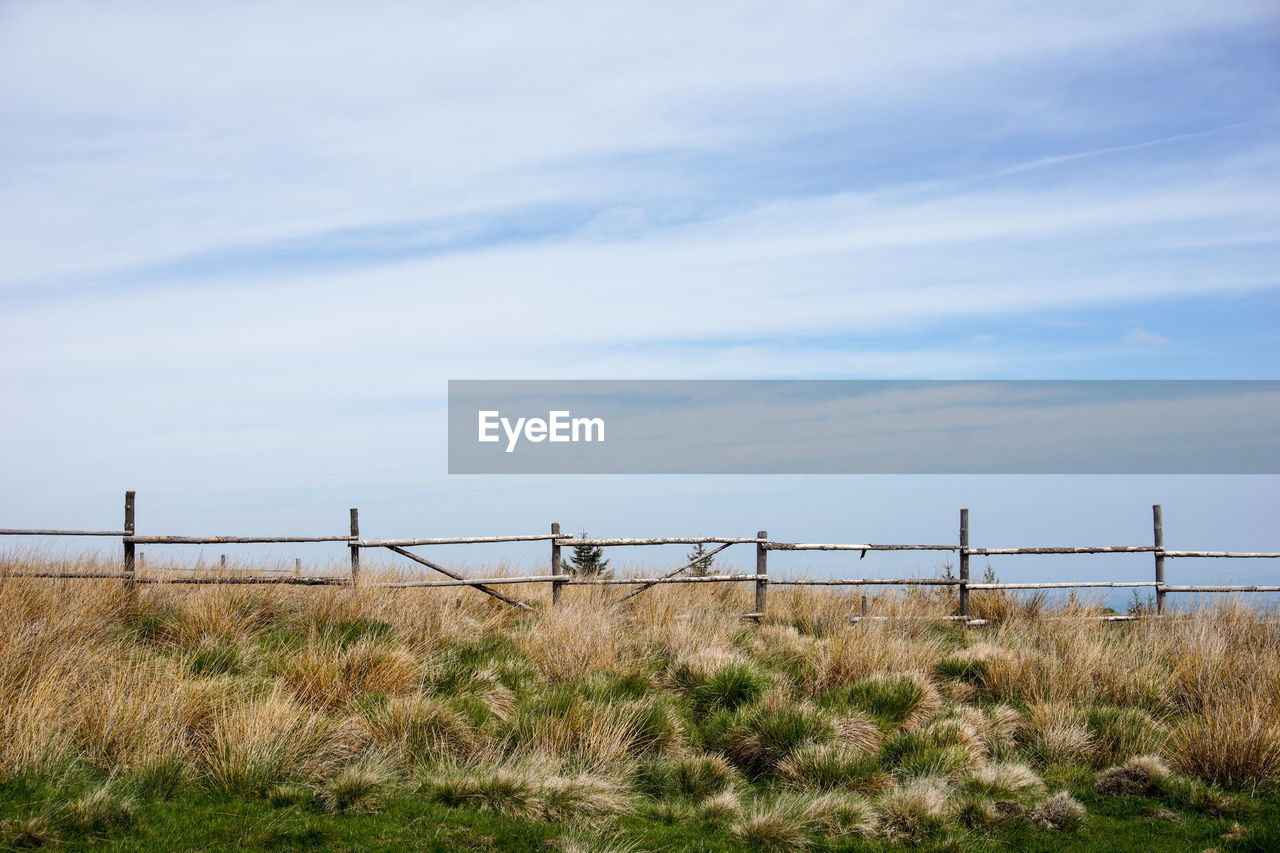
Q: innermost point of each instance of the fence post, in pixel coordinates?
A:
(555, 563)
(1157, 524)
(762, 568)
(355, 548)
(128, 546)
(222, 562)
(964, 563)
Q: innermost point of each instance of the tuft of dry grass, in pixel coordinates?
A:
(1061, 812)
(257, 744)
(1235, 744)
(780, 825)
(915, 811)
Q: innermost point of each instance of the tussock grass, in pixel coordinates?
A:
(1061, 812)
(805, 727)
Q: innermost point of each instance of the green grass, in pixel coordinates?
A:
(410, 820)
(355, 728)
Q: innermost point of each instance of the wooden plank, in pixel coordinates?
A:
(1157, 527)
(249, 579)
(22, 573)
(442, 570)
(964, 563)
(1062, 585)
(355, 547)
(129, 525)
(557, 567)
(464, 540)
(1236, 555)
(17, 532)
(1086, 549)
(762, 572)
(673, 540)
(230, 540)
(673, 573)
(1235, 588)
(866, 582)
(868, 546)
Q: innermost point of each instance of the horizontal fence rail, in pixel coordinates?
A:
(558, 578)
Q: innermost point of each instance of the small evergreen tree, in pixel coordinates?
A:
(702, 567)
(587, 560)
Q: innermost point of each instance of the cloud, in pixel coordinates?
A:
(1145, 338)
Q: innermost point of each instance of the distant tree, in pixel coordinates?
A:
(702, 567)
(587, 560)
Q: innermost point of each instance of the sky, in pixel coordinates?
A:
(247, 245)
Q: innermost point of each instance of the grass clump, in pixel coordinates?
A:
(290, 794)
(98, 813)
(729, 688)
(781, 825)
(1138, 777)
(358, 788)
(1232, 744)
(1118, 733)
(894, 699)
(759, 737)
(915, 811)
(831, 766)
(696, 777)
(1061, 812)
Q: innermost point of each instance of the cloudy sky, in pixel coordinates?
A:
(246, 245)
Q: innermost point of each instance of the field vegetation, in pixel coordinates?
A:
(274, 717)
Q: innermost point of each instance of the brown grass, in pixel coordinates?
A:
(320, 678)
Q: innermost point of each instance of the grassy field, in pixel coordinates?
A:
(238, 717)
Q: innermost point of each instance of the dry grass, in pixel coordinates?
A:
(345, 694)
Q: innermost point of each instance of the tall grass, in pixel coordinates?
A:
(807, 725)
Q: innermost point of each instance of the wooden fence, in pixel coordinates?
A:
(558, 580)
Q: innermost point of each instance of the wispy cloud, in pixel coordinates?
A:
(325, 212)
(1145, 338)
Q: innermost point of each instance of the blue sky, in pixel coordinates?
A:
(246, 245)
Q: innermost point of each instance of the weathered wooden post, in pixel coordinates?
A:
(556, 568)
(1157, 523)
(297, 566)
(964, 564)
(355, 546)
(222, 563)
(128, 545)
(762, 569)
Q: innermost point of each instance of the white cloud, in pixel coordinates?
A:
(1145, 338)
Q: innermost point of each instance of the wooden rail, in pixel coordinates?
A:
(557, 578)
